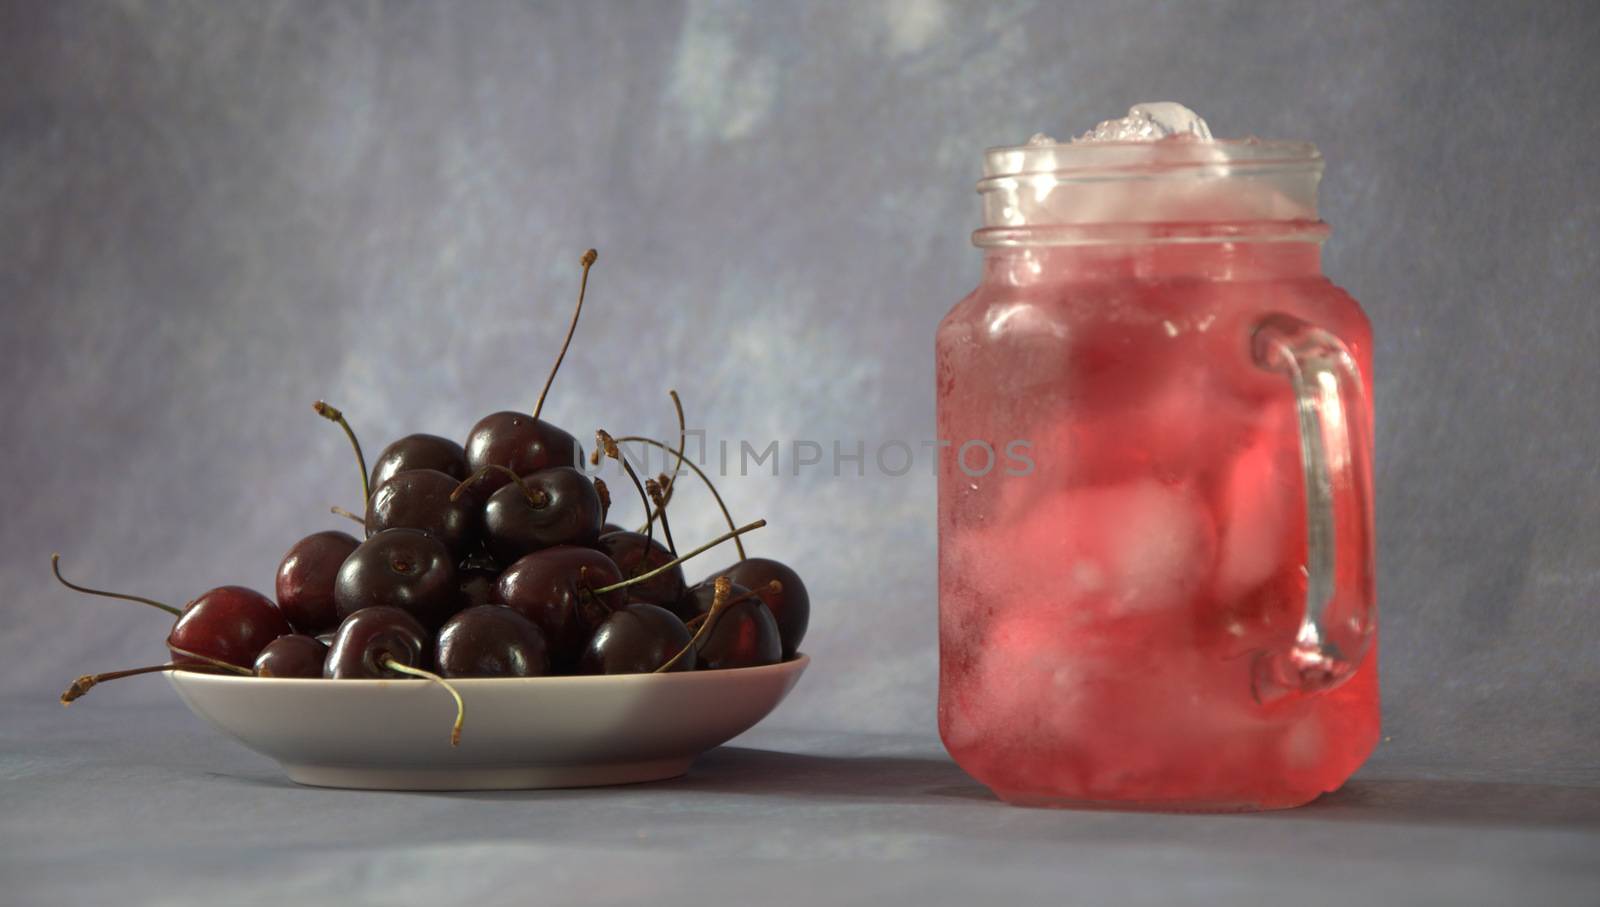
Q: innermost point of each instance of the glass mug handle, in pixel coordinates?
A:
(1340, 617)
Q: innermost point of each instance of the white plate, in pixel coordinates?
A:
(522, 732)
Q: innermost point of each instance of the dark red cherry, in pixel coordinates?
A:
(222, 630)
(556, 506)
(553, 588)
(697, 600)
(230, 624)
(608, 528)
(637, 640)
(790, 607)
(420, 499)
(370, 637)
(295, 655)
(420, 452)
(491, 641)
(635, 553)
(520, 443)
(305, 580)
(744, 636)
(403, 568)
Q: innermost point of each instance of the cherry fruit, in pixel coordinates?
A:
(520, 443)
(743, 636)
(305, 580)
(295, 655)
(420, 452)
(637, 639)
(228, 624)
(554, 588)
(372, 640)
(424, 499)
(403, 568)
(491, 641)
(556, 506)
(789, 602)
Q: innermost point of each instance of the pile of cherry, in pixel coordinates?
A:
(491, 560)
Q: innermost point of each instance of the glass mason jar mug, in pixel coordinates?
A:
(1164, 598)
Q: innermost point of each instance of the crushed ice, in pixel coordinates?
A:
(1148, 122)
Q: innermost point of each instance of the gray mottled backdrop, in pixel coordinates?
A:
(212, 214)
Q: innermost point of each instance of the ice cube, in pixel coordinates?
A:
(1121, 550)
(1150, 122)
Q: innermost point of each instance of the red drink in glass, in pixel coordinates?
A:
(1158, 594)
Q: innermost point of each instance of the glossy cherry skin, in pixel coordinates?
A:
(491, 641)
(608, 528)
(555, 506)
(637, 639)
(420, 452)
(370, 636)
(636, 553)
(295, 655)
(791, 608)
(744, 636)
(552, 589)
(521, 444)
(420, 499)
(405, 568)
(305, 580)
(229, 623)
(698, 599)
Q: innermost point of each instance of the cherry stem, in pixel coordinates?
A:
(89, 681)
(679, 560)
(535, 496)
(660, 498)
(587, 261)
(719, 603)
(683, 442)
(605, 497)
(668, 482)
(212, 662)
(336, 510)
(461, 710)
(332, 414)
(55, 567)
(604, 442)
(738, 543)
